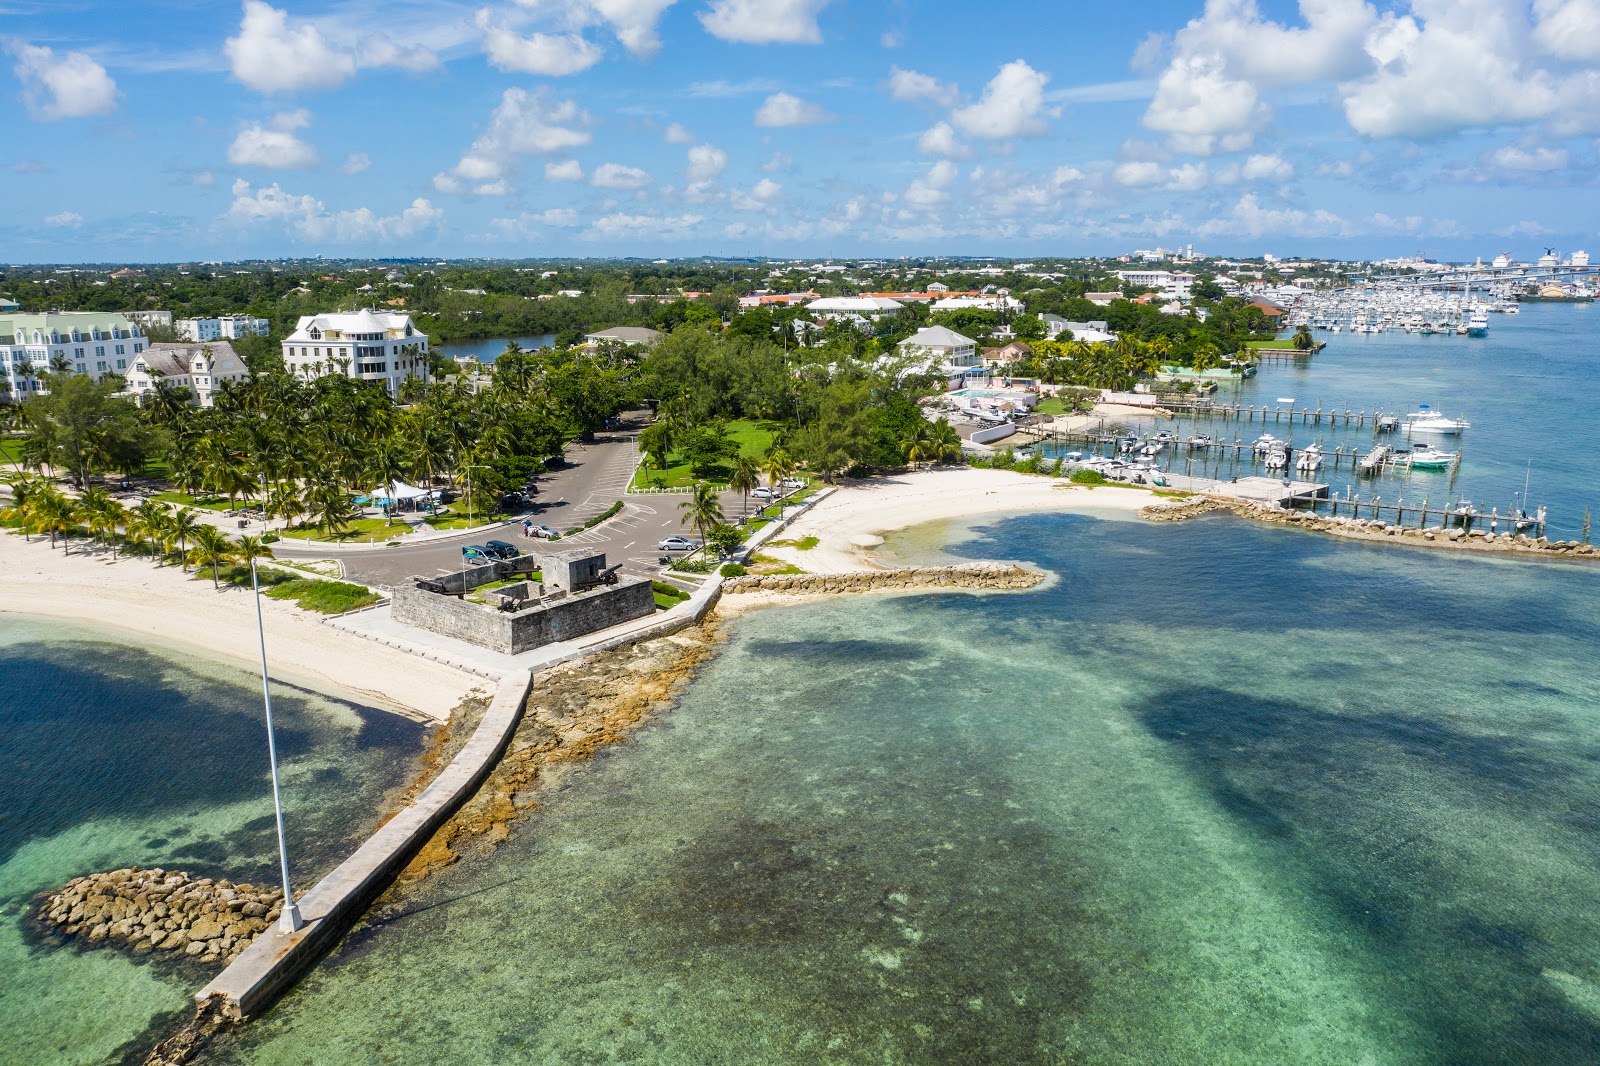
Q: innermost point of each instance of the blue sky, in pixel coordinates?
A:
(165, 130)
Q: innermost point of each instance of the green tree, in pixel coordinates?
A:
(655, 440)
(211, 548)
(701, 510)
(745, 478)
(329, 506)
(50, 511)
(725, 538)
(84, 427)
(181, 528)
(1303, 340)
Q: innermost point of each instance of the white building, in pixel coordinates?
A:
(868, 307)
(997, 302)
(368, 345)
(200, 368)
(228, 327)
(944, 351)
(1094, 332)
(625, 335)
(92, 343)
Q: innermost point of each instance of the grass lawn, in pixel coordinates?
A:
(449, 519)
(355, 529)
(1285, 344)
(183, 499)
(804, 544)
(1050, 405)
(312, 594)
(753, 438)
(11, 451)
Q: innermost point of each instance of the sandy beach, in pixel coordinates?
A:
(849, 523)
(168, 610)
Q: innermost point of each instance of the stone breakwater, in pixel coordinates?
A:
(962, 576)
(1373, 529)
(161, 910)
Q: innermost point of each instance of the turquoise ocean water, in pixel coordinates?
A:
(1221, 793)
(112, 756)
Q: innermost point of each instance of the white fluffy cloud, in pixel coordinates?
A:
(786, 109)
(914, 88)
(1568, 29)
(764, 21)
(619, 226)
(65, 218)
(273, 144)
(1267, 168)
(355, 163)
(550, 55)
(941, 139)
(308, 218)
(706, 163)
(274, 54)
(677, 133)
(1202, 109)
(932, 188)
(618, 176)
(1012, 105)
(525, 123)
(65, 85)
(1529, 159)
(1249, 218)
(633, 21)
(1452, 63)
(565, 170)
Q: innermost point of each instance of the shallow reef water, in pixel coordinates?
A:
(1219, 793)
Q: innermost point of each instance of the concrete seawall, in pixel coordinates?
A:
(957, 576)
(276, 958)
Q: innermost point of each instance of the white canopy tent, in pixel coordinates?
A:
(399, 490)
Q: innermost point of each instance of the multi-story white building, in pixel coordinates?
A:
(200, 368)
(92, 343)
(381, 346)
(228, 327)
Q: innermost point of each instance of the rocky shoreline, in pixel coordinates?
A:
(959, 576)
(1372, 529)
(210, 921)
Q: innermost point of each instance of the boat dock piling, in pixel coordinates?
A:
(1375, 460)
(1456, 515)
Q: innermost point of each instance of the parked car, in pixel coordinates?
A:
(792, 483)
(677, 544)
(542, 532)
(761, 492)
(502, 550)
(477, 551)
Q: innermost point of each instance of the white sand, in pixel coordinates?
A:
(848, 523)
(168, 609)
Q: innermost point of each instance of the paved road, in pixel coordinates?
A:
(594, 477)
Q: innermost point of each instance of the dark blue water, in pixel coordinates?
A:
(1222, 793)
(489, 349)
(112, 756)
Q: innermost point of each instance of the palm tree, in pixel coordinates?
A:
(248, 549)
(102, 514)
(946, 441)
(284, 501)
(1303, 340)
(329, 504)
(777, 466)
(149, 520)
(702, 509)
(182, 527)
(211, 549)
(50, 511)
(919, 447)
(745, 477)
(23, 489)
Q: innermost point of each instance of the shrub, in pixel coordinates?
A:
(1061, 461)
(270, 538)
(325, 597)
(733, 570)
(692, 566)
(671, 592)
(1088, 477)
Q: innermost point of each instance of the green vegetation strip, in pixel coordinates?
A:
(597, 519)
(325, 597)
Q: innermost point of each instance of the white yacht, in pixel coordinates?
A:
(1310, 460)
(1478, 324)
(1425, 456)
(1426, 420)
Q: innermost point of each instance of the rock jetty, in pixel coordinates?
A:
(163, 910)
(1373, 529)
(961, 576)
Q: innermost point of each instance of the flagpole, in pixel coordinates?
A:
(289, 918)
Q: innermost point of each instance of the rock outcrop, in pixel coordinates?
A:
(960, 576)
(161, 910)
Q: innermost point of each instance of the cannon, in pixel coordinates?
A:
(430, 585)
(608, 576)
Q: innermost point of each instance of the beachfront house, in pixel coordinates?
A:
(943, 350)
(378, 346)
(200, 368)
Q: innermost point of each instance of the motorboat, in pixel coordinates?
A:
(1426, 420)
(1200, 440)
(1310, 460)
(1265, 443)
(1424, 456)
(1478, 324)
(1278, 456)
